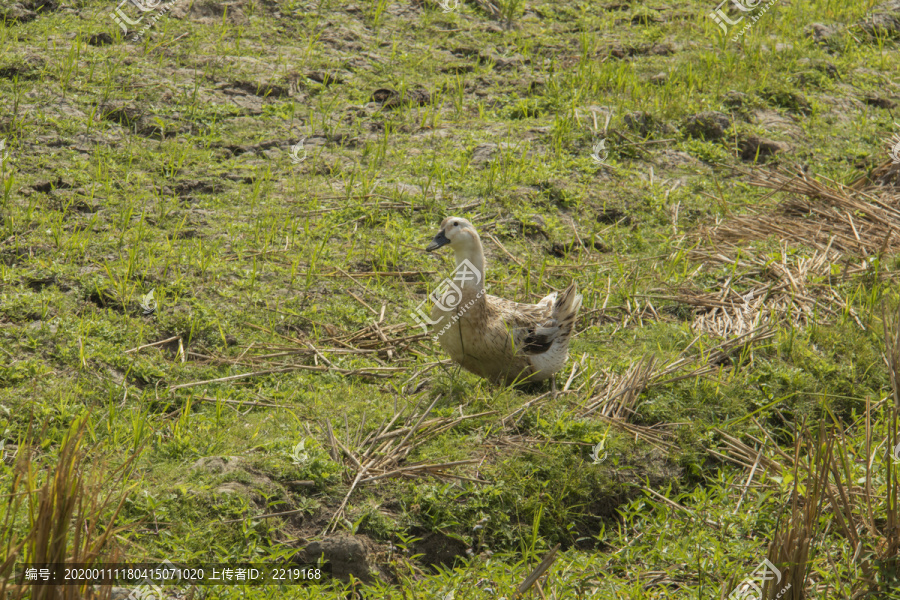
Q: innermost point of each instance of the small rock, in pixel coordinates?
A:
(458, 69)
(261, 89)
(754, 148)
(880, 102)
(538, 220)
(119, 593)
(38, 325)
(501, 62)
(610, 216)
(618, 52)
(531, 228)
(408, 189)
(325, 77)
(122, 113)
(829, 69)
(659, 78)
(820, 33)
(645, 19)
(787, 100)
(233, 487)
(348, 556)
(734, 100)
(483, 153)
(209, 12)
(316, 140)
(217, 464)
(884, 20)
(709, 125)
(100, 39)
(640, 122)
(41, 5)
(389, 98)
(48, 186)
(17, 13)
(560, 250)
(676, 158)
(436, 548)
(303, 484)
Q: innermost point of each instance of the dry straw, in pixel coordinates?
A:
(71, 517)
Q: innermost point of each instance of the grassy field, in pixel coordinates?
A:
(272, 170)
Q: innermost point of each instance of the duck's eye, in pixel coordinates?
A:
(456, 224)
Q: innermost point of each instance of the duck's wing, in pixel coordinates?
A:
(535, 327)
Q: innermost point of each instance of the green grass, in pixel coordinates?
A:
(164, 165)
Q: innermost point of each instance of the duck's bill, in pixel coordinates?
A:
(439, 240)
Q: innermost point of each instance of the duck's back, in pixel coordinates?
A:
(506, 341)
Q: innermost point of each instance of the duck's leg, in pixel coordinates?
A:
(553, 393)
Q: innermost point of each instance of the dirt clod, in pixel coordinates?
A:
(100, 39)
(348, 555)
(640, 122)
(884, 20)
(754, 148)
(613, 215)
(439, 549)
(709, 125)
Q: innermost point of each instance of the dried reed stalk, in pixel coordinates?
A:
(618, 394)
(380, 455)
(855, 220)
(747, 456)
(537, 573)
(883, 178)
(376, 339)
(845, 226)
(70, 519)
(785, 290)
(795, 533)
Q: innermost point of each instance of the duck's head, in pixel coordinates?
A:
(457, 233)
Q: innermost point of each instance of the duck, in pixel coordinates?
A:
(497, 339)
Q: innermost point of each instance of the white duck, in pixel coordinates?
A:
(500, 340)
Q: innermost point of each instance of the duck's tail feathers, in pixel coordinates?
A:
(557, 329)
(565, 309)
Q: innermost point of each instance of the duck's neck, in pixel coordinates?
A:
(474, 254)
